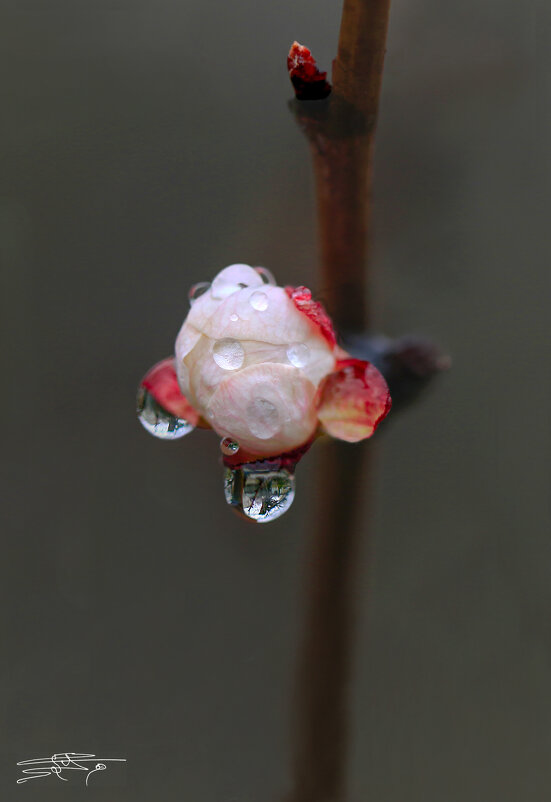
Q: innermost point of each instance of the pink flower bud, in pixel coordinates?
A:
(259, 364)
(251, 362)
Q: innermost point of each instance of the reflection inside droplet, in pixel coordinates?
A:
(157, 420)
(261, 495)
(234, 318)
(197, 290)
(230, 482)
(228, 353)
(259, 301)
(298, 355)
(229, 446)
(266, 275)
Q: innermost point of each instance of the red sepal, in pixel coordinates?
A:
(302, 299)
(353, 400)
(161, 381)
(286, 461)
(309, 82)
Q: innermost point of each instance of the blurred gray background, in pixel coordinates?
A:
(145, 145)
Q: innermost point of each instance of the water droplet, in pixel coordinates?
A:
(266, 276)
(259, 301)
(234, 318)
(228, 353)
(197, 290)
(261, 495)
(262, 418)
(298, 355)
(157, 420)
(229, 446)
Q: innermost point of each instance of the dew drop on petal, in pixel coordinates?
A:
(229, 446)
(266, 275)
(234, 318)
(263, 418)
(298, 355)
(197, 290)
(259, 301)
(157, 420)
(228, 353)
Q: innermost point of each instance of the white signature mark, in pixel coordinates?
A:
(64, 762)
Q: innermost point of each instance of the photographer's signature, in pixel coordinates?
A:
(62, 763)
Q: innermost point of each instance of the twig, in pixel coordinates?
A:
(341, 130)
(358, 68)
(325, 653)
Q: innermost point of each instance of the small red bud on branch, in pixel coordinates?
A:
(309, 82)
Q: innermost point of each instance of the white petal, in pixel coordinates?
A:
(186, 340)
(268, 408)
(231, 279)
(279, 323)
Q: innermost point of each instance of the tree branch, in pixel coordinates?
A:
(341, 132)
(340, 129)
(358, 68)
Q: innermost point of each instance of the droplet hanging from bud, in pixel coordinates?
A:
(259, 494)
(158, 421)
(162, 408)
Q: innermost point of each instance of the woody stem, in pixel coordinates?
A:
(341, 131)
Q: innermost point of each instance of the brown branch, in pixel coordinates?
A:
(341, 131)
(321, 707)
(358, 68)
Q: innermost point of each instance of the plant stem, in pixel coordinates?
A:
(341, 132)
(358, 68)
(321, 735)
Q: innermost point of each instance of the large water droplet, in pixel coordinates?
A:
(228, 353)
(298, 355)
(261, 495)
(157, 420)
(266, 275)
(197, 290)
(259, 301)
(262, 418)
(229, 446)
